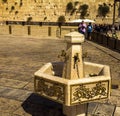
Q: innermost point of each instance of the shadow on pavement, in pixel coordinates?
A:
(39, 106)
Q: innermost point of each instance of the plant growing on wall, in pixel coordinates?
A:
(83, 9)
(16, 12)
(69, 7)
(12, 8)
(15, 3)
(76, 3)
(73, 11)
(45, 18)
(103, 10)
(6, 8)
(61, 19)
(21, 3)
(4, 1)
(29, 19)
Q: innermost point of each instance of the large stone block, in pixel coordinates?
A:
(19, 30)
(4, 30)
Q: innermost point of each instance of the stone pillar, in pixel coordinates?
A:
(73, 66)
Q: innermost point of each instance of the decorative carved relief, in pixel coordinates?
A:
(50, 89)
(88, 92)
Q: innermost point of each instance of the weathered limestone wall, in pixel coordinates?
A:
(46, 10)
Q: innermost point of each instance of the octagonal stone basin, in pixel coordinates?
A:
(95, 85)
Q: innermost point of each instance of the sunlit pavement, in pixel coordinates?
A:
(20, 57)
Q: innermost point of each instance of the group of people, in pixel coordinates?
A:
(85, 29)
(106, 29)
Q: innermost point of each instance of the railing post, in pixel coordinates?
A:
(29, 30)
(60, 27)
(10, 29)
(49, 31)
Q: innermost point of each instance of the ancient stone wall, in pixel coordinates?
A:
(46, 10)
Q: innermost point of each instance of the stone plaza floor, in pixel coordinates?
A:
(21, 57)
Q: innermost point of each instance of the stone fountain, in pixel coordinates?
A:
(73, 82)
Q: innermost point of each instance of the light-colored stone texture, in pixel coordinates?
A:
(21, 112)
(4, 30)
(8, 105)
(36, 52)
(73, 66)
(51, 10)
(29, 87)
(74, 87)
(78, 110)
(17, 94)
(117, 111)
(19, 30)
(12, 83)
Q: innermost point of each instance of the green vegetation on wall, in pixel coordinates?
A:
(103, 10)
(69, 7)
(61, 19)
(4, 1)
(83, 10)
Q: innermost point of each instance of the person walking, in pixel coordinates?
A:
(89, 31)
(82, 27)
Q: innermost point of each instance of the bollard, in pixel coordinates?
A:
(10, 29)
(49, 31)
(29, 30)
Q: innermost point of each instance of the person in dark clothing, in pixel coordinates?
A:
(89, 30)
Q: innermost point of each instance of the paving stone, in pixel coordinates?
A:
(92, 107)
(101, 109)
(8, 105)
(117, 111)
(12, 93)
(104, 110)
(29, 87)
(115, 100)
(12, 83)
(21, 112)
(115, 92)
(5, 114)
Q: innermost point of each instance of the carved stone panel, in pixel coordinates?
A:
(50, 89)
(88, 92)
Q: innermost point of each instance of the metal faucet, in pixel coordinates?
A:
(76, 59)
(64, 57)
